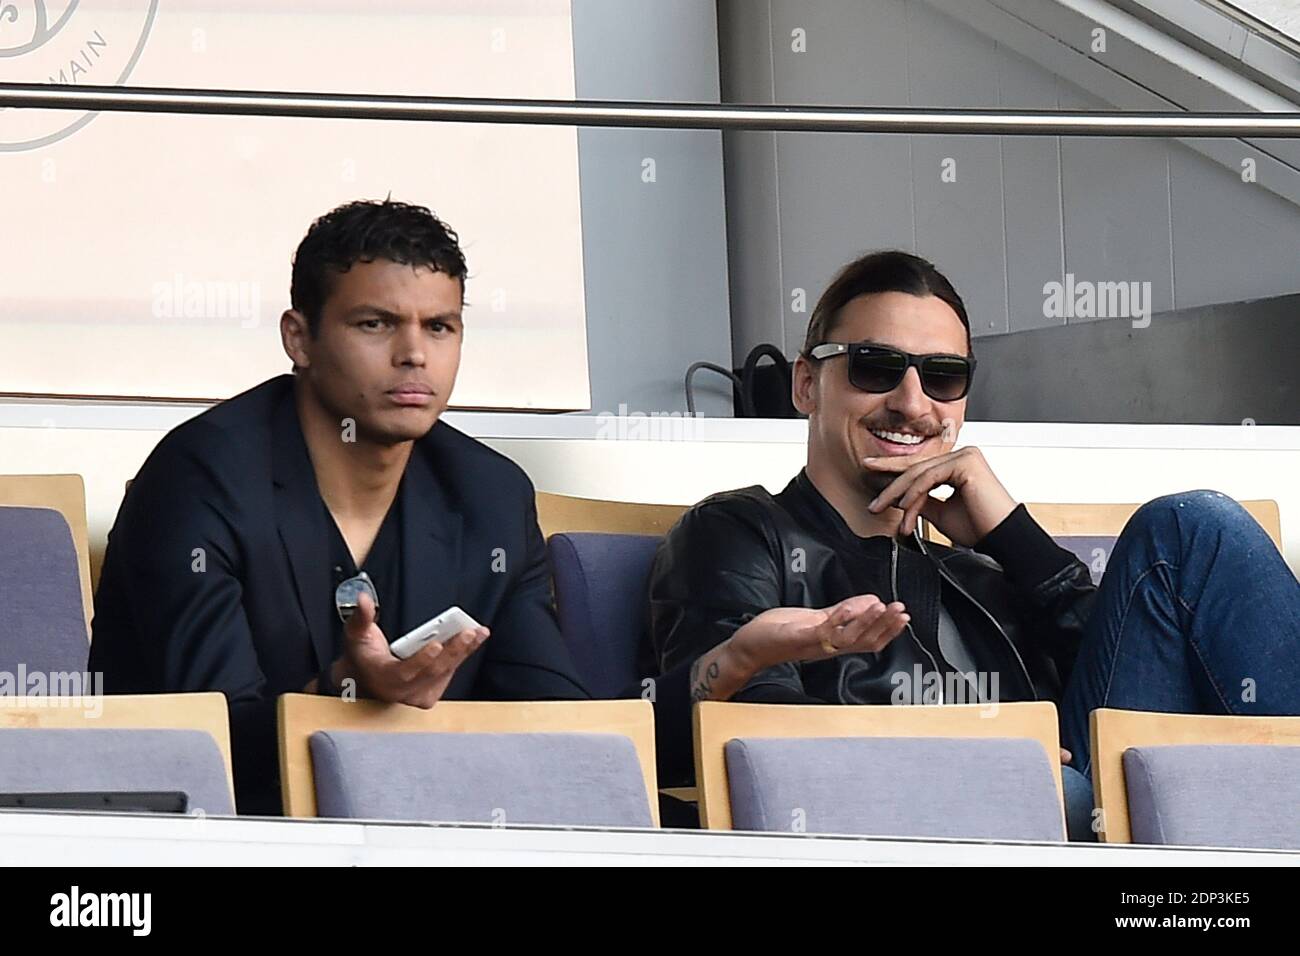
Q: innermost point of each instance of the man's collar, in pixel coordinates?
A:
(825, 514)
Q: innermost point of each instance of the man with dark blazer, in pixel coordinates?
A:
(223, 565)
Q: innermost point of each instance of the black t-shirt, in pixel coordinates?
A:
(383, 564)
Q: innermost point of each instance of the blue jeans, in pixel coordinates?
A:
(1197, 613)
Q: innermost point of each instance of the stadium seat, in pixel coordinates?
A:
(44, 629)
(1197, 780)
(65, 494)
(552, 762)
(601, 583)
(132, 743)
(562, 513)
(961, 770)
(594, 606)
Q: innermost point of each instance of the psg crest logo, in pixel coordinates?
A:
(72, 42)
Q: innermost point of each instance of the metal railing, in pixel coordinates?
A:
(821, 119)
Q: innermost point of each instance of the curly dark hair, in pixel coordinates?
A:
(363, 231)
(891, 270)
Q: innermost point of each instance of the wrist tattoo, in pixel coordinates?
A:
(702, 687)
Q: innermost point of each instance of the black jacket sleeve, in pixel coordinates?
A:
(714, 572)
(1055, 587)
(718, 569)
(169, 611)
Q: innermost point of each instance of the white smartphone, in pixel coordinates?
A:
(441, 628)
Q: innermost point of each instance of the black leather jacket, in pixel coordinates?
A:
(1018, 599)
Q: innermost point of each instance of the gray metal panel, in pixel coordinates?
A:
(1214, 365)
(840, 195)
(744, 51)
(656, 268)
(646, 49)
(1116, 201)
(749, 159)
(950, 65)
(958, 223)
(855, 52)
(1232, 239)
(1057, 37)
(1034, 231)
(654, 254)
(1108, 220)
(753, 242)
(1031, 194)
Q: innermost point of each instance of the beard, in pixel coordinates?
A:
(875, 481)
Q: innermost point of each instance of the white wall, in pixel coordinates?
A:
(679, 461)
(654, 241)
(161, 244)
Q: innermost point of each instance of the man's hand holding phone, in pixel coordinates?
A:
(419, 680)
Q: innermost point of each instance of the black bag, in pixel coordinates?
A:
(765, 389)
(759, 391)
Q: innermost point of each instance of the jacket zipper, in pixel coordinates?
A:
(893, 584)
(943, 572)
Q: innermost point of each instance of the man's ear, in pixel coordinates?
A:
(803, 386)
(295, 334)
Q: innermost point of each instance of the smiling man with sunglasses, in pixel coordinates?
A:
(827, 593)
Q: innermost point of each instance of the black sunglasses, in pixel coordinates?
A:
(878, 368)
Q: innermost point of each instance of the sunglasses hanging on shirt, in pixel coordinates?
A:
(349, 591)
